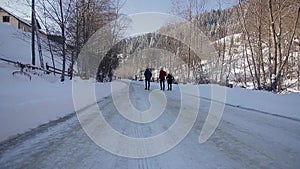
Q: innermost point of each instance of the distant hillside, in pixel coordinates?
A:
(217, 24)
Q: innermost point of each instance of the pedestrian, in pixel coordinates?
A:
(170, 80)
(148, 76)
(162, 77)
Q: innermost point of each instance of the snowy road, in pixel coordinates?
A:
(243, 139)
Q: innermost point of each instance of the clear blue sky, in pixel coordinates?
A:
(164, 6)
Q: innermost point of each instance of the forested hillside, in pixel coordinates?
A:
(257, 46)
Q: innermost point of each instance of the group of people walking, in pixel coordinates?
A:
(162, 78)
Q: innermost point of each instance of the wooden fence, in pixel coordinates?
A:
(48, 70)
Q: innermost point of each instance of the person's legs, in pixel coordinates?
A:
(145, 84)
(160, 81)
(163, 84)
(148, 84)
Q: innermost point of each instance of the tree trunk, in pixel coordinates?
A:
(298, 72)
(39, 44)
(245, 70)
(250, 46)
(48, 40)
(33, 32)
(62, 26)
(249, 66)
(260, 47)
(279, 74)
(289, 44)
(274, 41)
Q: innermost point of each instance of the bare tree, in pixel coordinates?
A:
(248, 38)
(190, 10)
(90, 17)
(282, 43)
(59, 13)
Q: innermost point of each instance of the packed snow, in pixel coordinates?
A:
(243, 139)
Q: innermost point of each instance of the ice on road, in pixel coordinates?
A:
(243, 139)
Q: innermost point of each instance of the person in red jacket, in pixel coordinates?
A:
(162, 78)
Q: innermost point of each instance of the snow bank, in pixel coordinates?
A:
(25, 104)
(286, 105)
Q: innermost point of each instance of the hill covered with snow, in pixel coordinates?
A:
(27, 102)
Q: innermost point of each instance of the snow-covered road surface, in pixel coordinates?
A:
(243, 139)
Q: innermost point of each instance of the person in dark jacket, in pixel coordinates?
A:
(148, 76)
(170, 80)
(162, 78)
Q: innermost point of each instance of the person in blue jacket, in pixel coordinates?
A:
(148, 76)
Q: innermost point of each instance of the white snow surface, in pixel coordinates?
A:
(26, 104)
(15, 45)
(243, 139)
(286, 105)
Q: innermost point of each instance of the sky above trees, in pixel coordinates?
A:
(137, 6)
(129, 7)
